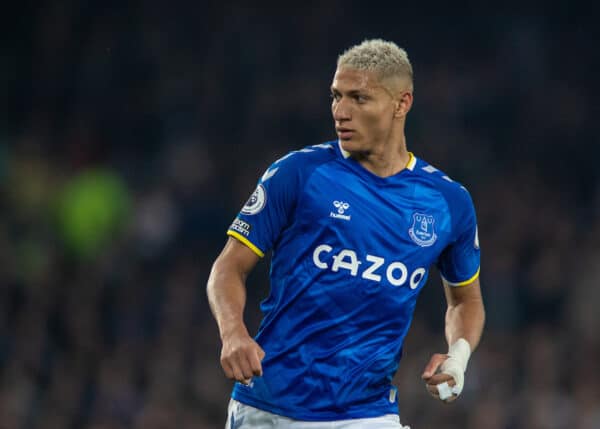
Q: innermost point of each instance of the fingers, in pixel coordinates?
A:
(244, 372)
(440, 378)
(237, 367)
(254, 359)
(434, 391)
(433, 378)
(433, 365)
(242, 360)
(432, 384)
(261, 352)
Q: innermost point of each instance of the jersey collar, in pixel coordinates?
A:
(410, 165)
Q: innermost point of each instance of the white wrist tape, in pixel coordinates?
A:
(444, 390)
(456, 365)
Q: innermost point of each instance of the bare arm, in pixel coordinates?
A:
(465, 318)
(465, 315)
(226, 289)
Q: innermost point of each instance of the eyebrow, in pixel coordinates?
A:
(350, 92)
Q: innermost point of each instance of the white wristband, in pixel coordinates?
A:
(456, 364)
(461, 350)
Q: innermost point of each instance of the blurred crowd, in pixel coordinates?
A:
(134, 131)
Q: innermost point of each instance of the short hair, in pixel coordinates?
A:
(384, 58)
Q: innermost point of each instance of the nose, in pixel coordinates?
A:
(341, 110)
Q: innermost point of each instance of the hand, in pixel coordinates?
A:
(241, 356)
(432, 377)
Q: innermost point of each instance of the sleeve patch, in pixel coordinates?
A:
(256, 202)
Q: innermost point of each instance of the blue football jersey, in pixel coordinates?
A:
(351, 252)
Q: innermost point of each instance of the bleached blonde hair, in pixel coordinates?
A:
(384, 58)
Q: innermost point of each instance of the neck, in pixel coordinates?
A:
(385, 160)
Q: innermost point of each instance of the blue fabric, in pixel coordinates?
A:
(351, 252)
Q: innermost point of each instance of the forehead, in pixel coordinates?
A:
(347, 79)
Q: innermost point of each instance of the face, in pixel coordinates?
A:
(364, 111)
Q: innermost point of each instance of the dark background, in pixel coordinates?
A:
(132, 132)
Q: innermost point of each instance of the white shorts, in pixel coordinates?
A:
(242, 416)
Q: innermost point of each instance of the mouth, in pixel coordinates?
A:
(344, 133)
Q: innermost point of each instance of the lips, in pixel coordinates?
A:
(345, 133)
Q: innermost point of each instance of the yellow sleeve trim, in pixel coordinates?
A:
(466, 282)
(244, 240)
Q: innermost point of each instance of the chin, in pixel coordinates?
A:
(350, 145)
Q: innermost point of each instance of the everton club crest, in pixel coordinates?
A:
(422, 230)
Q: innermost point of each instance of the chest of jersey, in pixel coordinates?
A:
(374, 233)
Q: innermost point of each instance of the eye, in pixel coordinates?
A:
(360, 98)
(335, 96)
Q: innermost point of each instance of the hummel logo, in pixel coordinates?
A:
(341, 207)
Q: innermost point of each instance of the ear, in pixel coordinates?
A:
(403, 104)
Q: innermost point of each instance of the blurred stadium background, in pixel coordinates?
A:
(132, 132)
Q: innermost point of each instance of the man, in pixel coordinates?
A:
(354, 226)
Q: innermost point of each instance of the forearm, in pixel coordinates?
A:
(226, 292)
(465, 319)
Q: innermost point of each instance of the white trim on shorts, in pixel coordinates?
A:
(242, 416)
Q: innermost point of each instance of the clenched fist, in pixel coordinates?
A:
(433, 378)
(241, 356)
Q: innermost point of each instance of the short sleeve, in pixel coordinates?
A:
(269, 208)
(459, 262)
